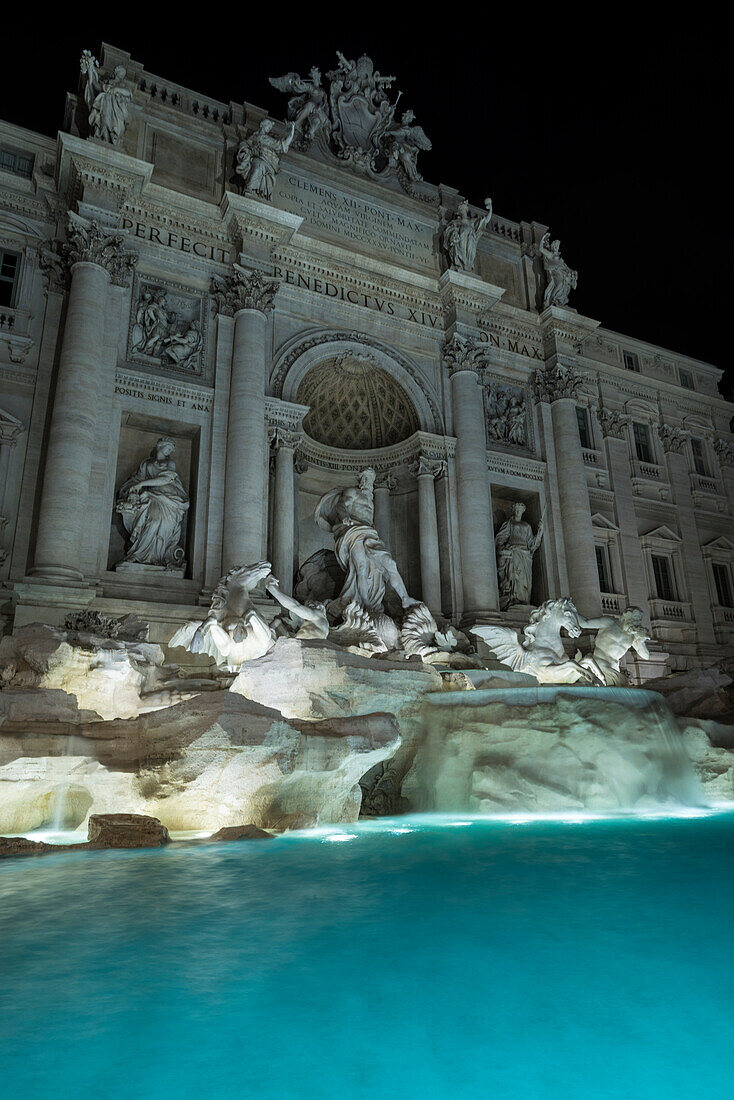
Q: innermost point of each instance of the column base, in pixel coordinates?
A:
(37, 601)
(481, 617)
(56, 574)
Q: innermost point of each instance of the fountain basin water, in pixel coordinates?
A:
(550, 748)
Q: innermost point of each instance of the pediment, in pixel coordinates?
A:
(10, 426)
(598, 520)
(720, 543)
(662, 534)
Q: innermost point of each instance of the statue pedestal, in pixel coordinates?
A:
(149, 572)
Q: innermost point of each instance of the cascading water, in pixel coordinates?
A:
(549, 749)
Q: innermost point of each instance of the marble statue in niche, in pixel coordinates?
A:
(258, 159)
(108, 100)
(461, 233)
(516, 544)
(233, 630)
(153, 505)
(561, 279)
(616, 636)
(161, 333)
(308, 110)
(506, 416)
(539, 650)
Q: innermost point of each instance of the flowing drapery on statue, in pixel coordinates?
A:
(348, 514)
(516, 545)
(153, 505)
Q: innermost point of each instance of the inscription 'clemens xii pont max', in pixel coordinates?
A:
(357, 220)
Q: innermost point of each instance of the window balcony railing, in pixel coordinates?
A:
(703, 483)
(673, 610)
(723, 616)
(592, 458)
(648, 471)
(613, 603)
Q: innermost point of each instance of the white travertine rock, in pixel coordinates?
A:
(709, 745)
(545, 750)
(313, 679)
(209, 762)
(698, 693)
(113, 677)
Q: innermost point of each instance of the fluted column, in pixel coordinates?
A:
(94, 256)
(248, 297)
(426, 472)
(675, 444)
(559, 385)
(476, 530)
(384, 485)
(613, 426)
(284, 444)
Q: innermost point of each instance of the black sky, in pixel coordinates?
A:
(616, 137)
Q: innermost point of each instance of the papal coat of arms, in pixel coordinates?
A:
(355, 120)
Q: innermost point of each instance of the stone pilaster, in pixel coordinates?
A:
(284, 444)
(614, 430)
(248, 297)
(426, 472)
(724, 450)
(558, 384)
(93, 256)
(464, 359)
(10, 429)
(675, 442)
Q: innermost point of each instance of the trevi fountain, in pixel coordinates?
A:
(395, 667)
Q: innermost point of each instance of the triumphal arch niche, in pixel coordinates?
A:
(212, 317)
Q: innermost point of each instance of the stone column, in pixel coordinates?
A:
(94, 256)
(284, 502)
(248, 297)
(559, 385)
(464, 359)
(426, 472)
(613, 426)
(384, 485)
(675, 443)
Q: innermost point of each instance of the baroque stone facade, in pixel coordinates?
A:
(281, 304)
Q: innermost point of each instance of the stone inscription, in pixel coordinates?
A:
(498, 341)
(174, 397)
(177, 240)
(357, 297)
(356, 219)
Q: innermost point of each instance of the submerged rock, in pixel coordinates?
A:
(240, 832)
(126, 831)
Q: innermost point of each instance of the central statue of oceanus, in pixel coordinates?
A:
(371, 572)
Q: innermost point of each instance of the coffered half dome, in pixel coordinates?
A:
(355, 405)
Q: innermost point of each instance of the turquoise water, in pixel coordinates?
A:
(420, 958)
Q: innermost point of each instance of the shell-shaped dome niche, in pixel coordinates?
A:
(355, 405)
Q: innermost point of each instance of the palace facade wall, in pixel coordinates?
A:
(304, 337)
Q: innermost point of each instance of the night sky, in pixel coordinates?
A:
(616, 138)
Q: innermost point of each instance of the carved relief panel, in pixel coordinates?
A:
(506, 416)
(168, 327)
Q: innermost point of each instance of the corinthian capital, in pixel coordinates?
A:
(724, 449)
(244, 289)
(553, 383)
(673, 439)
(613, 423)
(462, 354)
(87, 242)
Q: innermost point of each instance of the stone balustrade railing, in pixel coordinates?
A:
(675, 610)
(612, 602)
(702, 483)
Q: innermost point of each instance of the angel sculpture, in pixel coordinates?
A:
(258, 158)
(461, 235)
(561, 279)
(108, 100)
(233, 631)
(401, 145)
(539, 652)
(308, 110)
